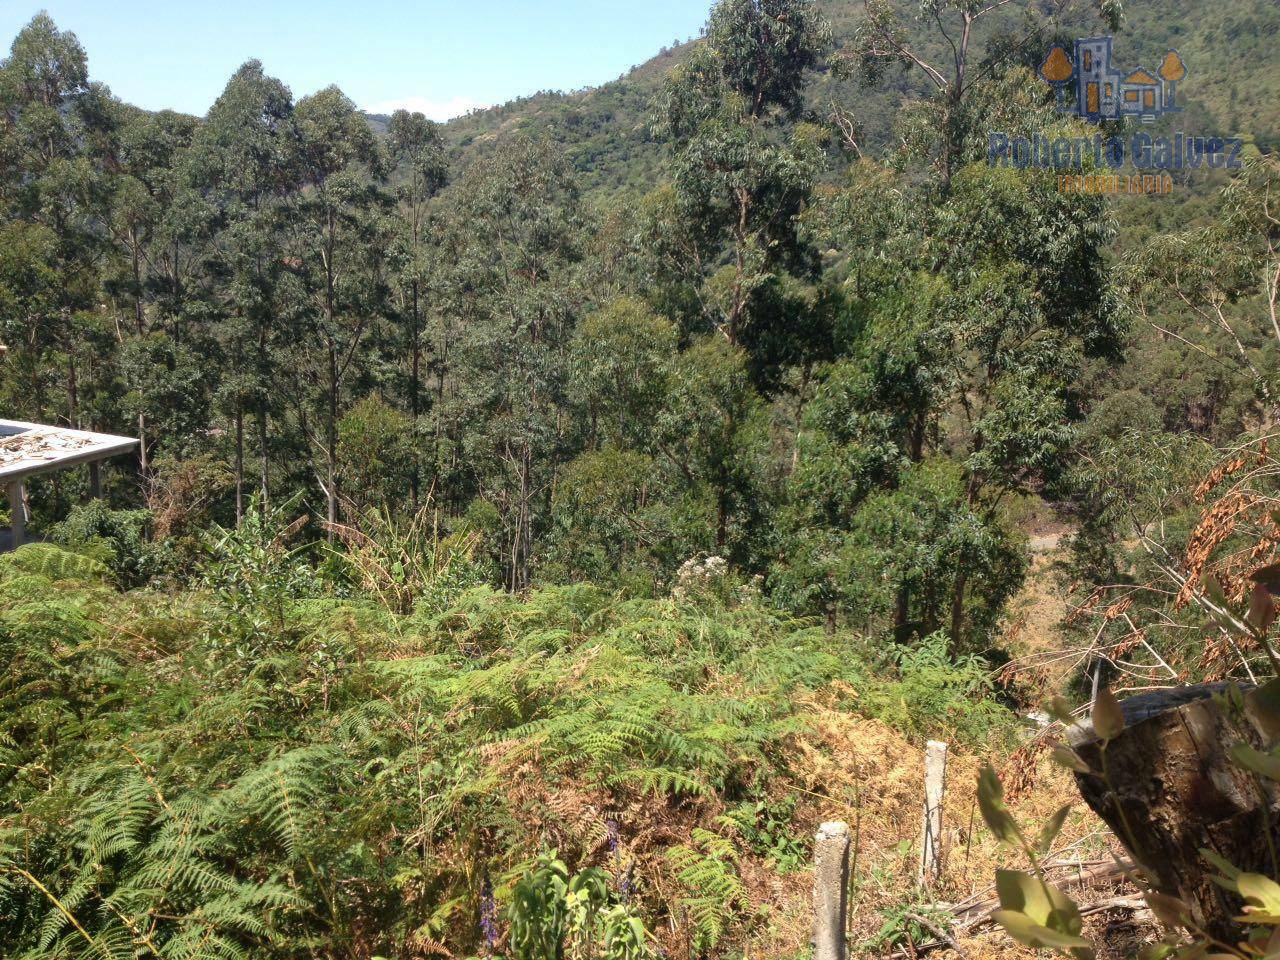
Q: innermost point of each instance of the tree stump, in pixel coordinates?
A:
(1168, 787)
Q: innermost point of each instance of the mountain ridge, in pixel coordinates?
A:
(603, 130)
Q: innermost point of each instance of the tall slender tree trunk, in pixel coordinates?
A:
(415, 387)
(901, 613)
(262, 454)
(524, 534)
(331, 438)
(957, 609)
(330, 314)
(143, 462)
(139, 314)
(916, 441)
(73, 396)
(722, 521)
(239, 462)
(801, 400)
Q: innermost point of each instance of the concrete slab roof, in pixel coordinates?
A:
(29, 449)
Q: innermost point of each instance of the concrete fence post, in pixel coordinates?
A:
(830, 891)
(935, 785)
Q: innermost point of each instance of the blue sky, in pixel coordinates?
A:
(439, 56)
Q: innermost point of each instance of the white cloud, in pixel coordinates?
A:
(439, 110)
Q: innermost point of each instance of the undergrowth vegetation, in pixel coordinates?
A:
(277, 762)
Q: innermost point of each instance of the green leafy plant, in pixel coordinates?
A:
(714, 892)
(403, 563)
(766, 827)
(906, 924)
(254, 569)
(556, 915)
(117, 537)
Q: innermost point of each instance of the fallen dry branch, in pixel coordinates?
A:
(944, 938)
(974, 911)
(972, 916)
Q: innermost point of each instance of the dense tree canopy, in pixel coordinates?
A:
(759, 359)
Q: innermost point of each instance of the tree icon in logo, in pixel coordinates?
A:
(1171, 71)
(1058, 70)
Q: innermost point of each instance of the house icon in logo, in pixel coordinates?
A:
(1102, 92)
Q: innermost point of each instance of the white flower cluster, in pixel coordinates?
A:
(698, 576)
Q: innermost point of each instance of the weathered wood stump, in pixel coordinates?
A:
(1171, 789)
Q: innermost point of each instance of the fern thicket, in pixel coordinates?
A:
(181, 778)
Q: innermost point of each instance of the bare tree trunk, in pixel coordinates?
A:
(239, 463)
(722, 521)
(331, 441)
(73, 396)
(524, 535)
(415, 386)
(957, 608)
(915, 444)
(262, 453)
(144, 465)
(1168, 787)
(801, 397)
(902, 613)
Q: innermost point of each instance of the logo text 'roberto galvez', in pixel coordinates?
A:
(1142, 150)
(1102, 92)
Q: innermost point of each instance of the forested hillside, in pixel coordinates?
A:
(543, 522)
(1233, 85)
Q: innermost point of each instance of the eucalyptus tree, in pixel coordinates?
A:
(55, 132)
(739, 178)
(29, 286)
(961, 53)
(160, 227)
(338, 240)
(713, 434)
(984, 293)
(418, 149)
(1212, 293)
(512, 277)
(243, 163)
(613, 504)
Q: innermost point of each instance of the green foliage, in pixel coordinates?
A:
(48, 561)
(738, 188)
(116, 537)
(411, 565)
(905, 924)
(512, 258)
(556, 915)
(255, 572)
(707, 869)
(937, 691)
(766, 827)
(637, 354)
(313, 787)
(375, 454)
